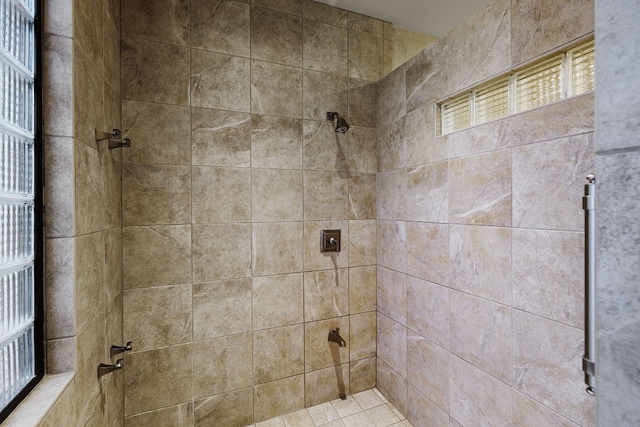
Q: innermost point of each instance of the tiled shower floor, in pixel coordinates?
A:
(366, 409)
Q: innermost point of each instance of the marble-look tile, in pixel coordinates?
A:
(229, 409)
(318, 351)
(480, 47)
(362, 336)
(362, 196)
(276, 142)
(156, 194)
(370, 398)
(323, 92)
(547, 366)
(428, 251)
(323, 147)
(157, 378)
(392, 344)
(316, 260)
(89, 277)
(323, 386)
(392, 385)
(220, 138)
(58, 19)
(428, 369)
(61, 356)
(158, 316)
(554, 25)
(490, 136)
(278, 353)
(324, 48)
(293, 7)
(276, 89)
(528, 412)
(154, 72)
(365, 56)
(324, 13)
(88, 97)
(362, 375)
(220, 195)
(571, 116)
(427, 76)
(166, 22)
(481, 334)
(565, 162)
(548, 269)
(362, 244)
(221, 25)
(180, 415)
(157, 133)
(88, 29)
(480, 262)
(392, 253)
(362, 103)
(62, 412)
(276, 37)
(480, 189)
(326, 294)
(617, 285)
(392, 97)
(382, 415)
(277, 248)
(422, 146)
(60, 290)
(346, 407)
(362, 288)
(220, 81)
(212, 261)
(112, 17)
(392, 194)
(392, 294)
(279, 397)
(164, 250)
(428, 193)
(57, 100)
(392, 150)
(361, 155)
(326, 195)
(423, 412)
(428, 310)
(222, 364)
(221, 308)
(278, 301)
(90, 344)
(477, 398)
(365, 24)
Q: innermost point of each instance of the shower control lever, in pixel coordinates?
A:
(115, 349)
(107, 369)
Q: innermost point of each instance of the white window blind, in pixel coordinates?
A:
(539, 85)
(492, 101)
(17, 232)
(456, 114)
(582, 60)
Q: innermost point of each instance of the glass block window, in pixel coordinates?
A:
(456, 114)
(17, 197)
(492, 101)
(539, 85)
(582, 63)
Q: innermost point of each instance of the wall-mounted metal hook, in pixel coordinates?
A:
(106, 369)
(117, 144)
(114, 139)
(116, 349)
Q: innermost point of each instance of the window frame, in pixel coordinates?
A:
(38, 212)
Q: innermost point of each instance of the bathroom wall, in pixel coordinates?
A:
(618, 162)
(480, 254)
(83, 249)
(400, 45)
(232, 173)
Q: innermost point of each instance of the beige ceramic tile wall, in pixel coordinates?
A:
(232, 173)
(83, 202)
(480, 290)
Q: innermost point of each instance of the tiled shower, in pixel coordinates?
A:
(458, 288)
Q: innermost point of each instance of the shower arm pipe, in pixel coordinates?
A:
(589, 358)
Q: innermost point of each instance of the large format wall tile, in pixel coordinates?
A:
(392, 250)
(480, 189)
(553, 200)
(154, 72)
(324, 48)
(221, 195)
(391, 98)
(362, 103)
(428, 251)
(423, 412)
(362, 196)
(362, 375)
(292, 7)
(220, 138)
(220, 81)
(428, 310)
(428, 369)
(362, 289)
(392, 344)
(548, 275)
(276, 142)
(323, 92)
(391, 294)
(362, 336)
(277, 248)
(60, 293)
(365, 56)
(166, 21)
(426, 77)
(276, 90)
(276, 37)
(392, 152)
(318, 351)
(479, 139)
(57, 100)
(326, 195)
(213, 259)
(556, 23)
(88, 97)
(420, 136)
(179, 415)
(229, 409)
(278, 300)
(221, 25)
(392, 385)
(325, 385)
(528, 412)
(362, 244)
(392, 195)
(324, 13)
(326, 294)
(221, 308)
(324, 148)
(279, 397)
(362, 150)
(89, 277)
(278, 353)
(428, 193)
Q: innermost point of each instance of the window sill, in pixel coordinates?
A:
(37, 404)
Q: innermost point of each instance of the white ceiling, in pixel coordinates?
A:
(431, 17)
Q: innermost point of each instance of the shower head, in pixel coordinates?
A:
(341, 124)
